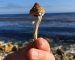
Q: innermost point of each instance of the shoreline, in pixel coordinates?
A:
(63, 47)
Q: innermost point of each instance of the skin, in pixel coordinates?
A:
(42, 52)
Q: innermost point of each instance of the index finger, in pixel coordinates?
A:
(43, 44)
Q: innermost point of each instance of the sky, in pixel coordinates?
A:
(23, 6)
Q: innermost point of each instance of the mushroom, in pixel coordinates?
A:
(37, 11)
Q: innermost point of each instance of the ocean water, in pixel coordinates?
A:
(17, 27)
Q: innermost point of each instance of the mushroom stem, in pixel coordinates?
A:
(37, 26)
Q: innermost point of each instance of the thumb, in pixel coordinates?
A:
(36, 54)
(42, 44)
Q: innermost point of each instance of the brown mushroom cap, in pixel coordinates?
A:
(37, 10)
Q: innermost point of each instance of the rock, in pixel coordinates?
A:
(8, 47)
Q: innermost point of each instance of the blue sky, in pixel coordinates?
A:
(23, 6)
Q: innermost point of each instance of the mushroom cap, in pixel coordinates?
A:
(37, 10)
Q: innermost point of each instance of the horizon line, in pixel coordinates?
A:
(45, 13)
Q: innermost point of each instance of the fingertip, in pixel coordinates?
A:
(42, 44)
(40, 38)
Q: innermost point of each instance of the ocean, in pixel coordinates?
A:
(19, 27)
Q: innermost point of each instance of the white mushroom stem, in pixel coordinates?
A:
(38, 21)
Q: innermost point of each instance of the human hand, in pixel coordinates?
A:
(42, 52)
